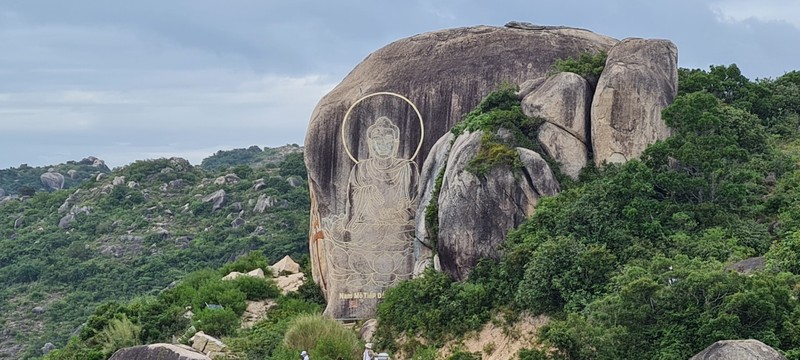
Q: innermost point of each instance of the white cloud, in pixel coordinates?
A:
(786, 11)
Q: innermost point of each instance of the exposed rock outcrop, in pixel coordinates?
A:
(639, 80)
(738, 350)
(445, 74)
(118, 181)
(208, 345)
(285, 265)
(264, 202)
(562, 100)
(52, 180)
(437, 159)
(476, 213)
(158, 352)
(572, 154)
(217, 198)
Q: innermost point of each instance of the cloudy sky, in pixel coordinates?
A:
(143, 79)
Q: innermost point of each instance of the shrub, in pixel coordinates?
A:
(216, 322)
(119, 333)
(322, 337)
(257, 288)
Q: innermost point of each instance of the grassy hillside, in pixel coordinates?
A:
(253, 156)
(25, 180)
(133, 233)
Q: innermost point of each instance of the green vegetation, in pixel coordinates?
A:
(217, 305)
(25, 180)
(253, 156)
(323, 338)
(133, 242)
(630, 262)
(587, 65)
(504, 127)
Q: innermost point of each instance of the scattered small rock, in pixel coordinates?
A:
(236, 207)
(118, 180)
(770, 179)
(260, 230)
(66, 221)
(238, 222)
(48, 348)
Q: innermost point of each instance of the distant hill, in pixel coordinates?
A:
(253, 156)
(26, 179)
(132, 232)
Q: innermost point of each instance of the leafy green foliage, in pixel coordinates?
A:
(119, 333)
(114, 250)
(499, 112)
(587, 65)
(322, 337)
(25, 180)
(432, 305)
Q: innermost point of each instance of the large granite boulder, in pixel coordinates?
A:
(738, 350)
(158, 352)
(444, 74)
(217, 199)
(476, 212)
(52, 180)
(571, 154)
(639, 80)
(563, 101)
(433, 166)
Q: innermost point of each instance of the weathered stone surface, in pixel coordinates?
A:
(256, 311)
(260, 184)
(738, 350)
(236, 207)
(38, 310)
(66, 221)
(294, 181)
(564, 101)
(207, 344)
(101, 176)
(227, 179)
(264, 202)
(529, 85)
(19, 222)
(290, 283)
(285, 265)
(237, 223)
(217, 198)
(158, 352)
(176, 184)
(48, 347)
(476, 213)
(748, 265)
(445, 74)
(162, 233)
(52, 180)
(72, 173)
(367, 330)
(437, 158)
(118, 181)
(639, 80)
(572, 154)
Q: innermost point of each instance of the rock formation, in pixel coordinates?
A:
(158, 352)
(217, 199)
(639, 80)
(476, 212)
(444, 74)
(368, 137)
(738, 350)
(563, 101)
(52, 180)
